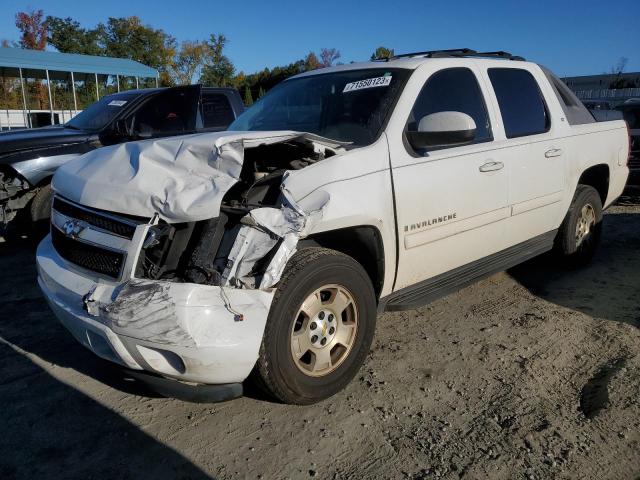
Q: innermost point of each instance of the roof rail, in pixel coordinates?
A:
(455, 52)
(500, 54)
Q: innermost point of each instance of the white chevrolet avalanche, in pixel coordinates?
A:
(266, 251)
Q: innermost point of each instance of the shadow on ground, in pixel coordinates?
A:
(609, 287)
(49, 429)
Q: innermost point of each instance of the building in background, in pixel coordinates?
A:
(612, 89)
(40, 88)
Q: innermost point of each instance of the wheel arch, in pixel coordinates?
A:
(597, 176)
(363, 243)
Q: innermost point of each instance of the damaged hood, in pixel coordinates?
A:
(180, 178)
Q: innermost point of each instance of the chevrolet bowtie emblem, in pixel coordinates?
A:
(72, 228)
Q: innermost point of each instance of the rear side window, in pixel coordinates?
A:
(216, 110)
(521, 104)
(453, 90)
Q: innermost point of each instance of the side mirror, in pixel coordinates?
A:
(443, 129)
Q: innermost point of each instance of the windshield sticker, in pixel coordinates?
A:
(368, 83)
(117, 103)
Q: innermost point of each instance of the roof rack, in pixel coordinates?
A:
(456, 52)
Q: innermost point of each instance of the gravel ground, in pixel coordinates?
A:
(533, 373)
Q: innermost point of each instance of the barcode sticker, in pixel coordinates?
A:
(117, 103)
(368, 83)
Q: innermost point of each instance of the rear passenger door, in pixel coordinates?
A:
(534, 148)
(216, 111)
(451, 203)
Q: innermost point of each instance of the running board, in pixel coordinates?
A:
(449, 282)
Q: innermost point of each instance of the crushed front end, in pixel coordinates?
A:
(181, 295)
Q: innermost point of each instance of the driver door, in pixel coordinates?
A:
(452, 203)
(168, 113)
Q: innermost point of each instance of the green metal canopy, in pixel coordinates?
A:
(37, 60)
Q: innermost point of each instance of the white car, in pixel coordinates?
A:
(269, 249)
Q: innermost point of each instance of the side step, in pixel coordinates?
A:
(441, 285)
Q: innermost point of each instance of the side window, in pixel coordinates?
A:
(168, 113)
(457, 90)
(521, 104)
(216, 110)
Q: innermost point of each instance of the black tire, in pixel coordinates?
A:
(566, 244)
(308, 270)
(41, 204)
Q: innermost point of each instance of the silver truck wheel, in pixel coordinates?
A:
(320, 327)
(586, 222)
(579, 235)
(324, 330)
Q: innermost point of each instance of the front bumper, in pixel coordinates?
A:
(192, 333)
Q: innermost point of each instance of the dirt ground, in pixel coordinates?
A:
(533, 373)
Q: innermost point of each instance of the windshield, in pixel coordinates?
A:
(99, 114)
(349, 106)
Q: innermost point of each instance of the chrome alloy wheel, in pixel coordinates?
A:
(585, 224)
(324, 330)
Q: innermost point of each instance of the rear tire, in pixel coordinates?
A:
(580, 233)
(320, 327)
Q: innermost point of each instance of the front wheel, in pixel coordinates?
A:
(579, 235)
(319, 329)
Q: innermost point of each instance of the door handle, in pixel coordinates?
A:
(491, 166)
(554, 152)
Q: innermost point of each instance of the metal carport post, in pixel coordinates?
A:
(73, 88)
(50, 100)
(24, 101)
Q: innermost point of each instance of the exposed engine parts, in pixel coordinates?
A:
(234, 248)
(14, 195)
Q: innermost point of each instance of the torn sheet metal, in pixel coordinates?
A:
(264, 228)
(182, 179)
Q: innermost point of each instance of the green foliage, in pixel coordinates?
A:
(218, 70)
(381, 53)
(67, 36)
(248, 98)
(129, 38)
(188, 60)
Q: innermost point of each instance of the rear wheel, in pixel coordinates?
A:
(580, 233)
(320, 327)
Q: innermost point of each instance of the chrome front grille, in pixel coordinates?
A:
(120, 226)
(92, 239)
(89, 256)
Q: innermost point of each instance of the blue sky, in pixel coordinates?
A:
(572, 38)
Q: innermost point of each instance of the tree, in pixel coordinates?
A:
(188, 60)
(67, 36)
(311, 62)
(381, 53)
(617, 71)
(33, 28)
(261, 93)
(127, 37)
(218, 70)
(328, 56)
(248, 98)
